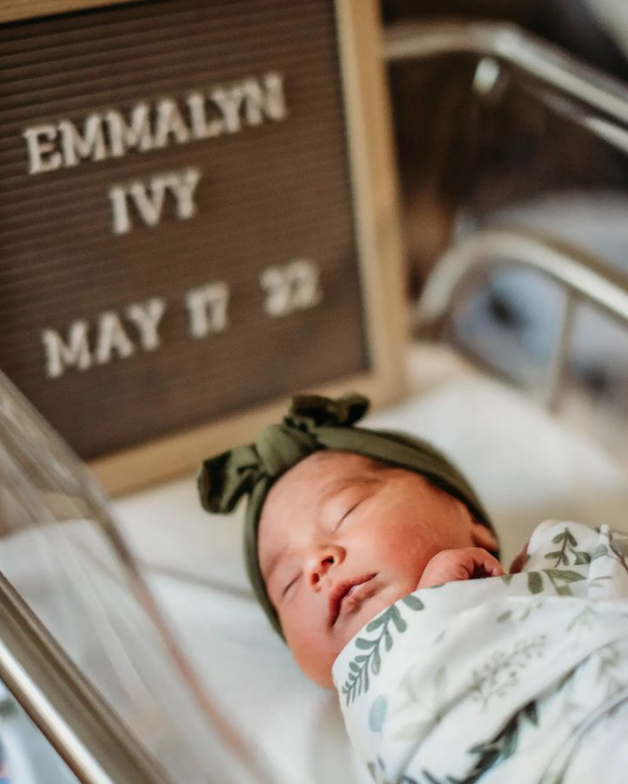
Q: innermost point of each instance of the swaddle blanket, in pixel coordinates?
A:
(520, 679)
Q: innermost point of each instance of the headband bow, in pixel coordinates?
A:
(224, 479)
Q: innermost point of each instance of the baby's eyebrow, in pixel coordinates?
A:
(338, 485)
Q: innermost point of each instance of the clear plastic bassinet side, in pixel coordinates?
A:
(74, 601)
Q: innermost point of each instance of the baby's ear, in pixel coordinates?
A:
(483, 536)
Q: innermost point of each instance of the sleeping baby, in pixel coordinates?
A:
(376, 561)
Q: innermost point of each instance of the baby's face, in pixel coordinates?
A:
(341, 538)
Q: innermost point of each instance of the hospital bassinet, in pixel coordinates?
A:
(211, 694)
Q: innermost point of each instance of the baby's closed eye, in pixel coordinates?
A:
(343, 516)
(338, 507)
(289, 585)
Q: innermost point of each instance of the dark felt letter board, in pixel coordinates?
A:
(183, 239)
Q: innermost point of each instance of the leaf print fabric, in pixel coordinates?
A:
(385, 625)
(499, 679)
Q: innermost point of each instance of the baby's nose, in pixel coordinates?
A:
(322, 561)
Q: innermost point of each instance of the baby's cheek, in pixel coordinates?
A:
(306, 633)
(314, 655)
(410, 566)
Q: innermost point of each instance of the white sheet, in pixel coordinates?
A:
(524, 464)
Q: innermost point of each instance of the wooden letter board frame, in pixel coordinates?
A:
(364, 120)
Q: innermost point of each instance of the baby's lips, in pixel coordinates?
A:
(340, 591)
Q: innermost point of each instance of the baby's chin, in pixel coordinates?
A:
(317, 664)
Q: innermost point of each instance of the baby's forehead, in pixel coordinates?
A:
(323, 469)
(316, 476)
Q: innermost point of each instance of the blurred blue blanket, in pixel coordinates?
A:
(520, 679)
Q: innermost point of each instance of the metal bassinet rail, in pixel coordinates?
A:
(584, 278)
(528, 54)
(593, 100)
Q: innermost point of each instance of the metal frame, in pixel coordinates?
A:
(92, 740)
(525, 52)
(584, 278)
(594, 100)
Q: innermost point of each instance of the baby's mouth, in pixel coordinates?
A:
(348, 595)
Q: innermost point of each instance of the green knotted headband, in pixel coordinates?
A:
(311, 424)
